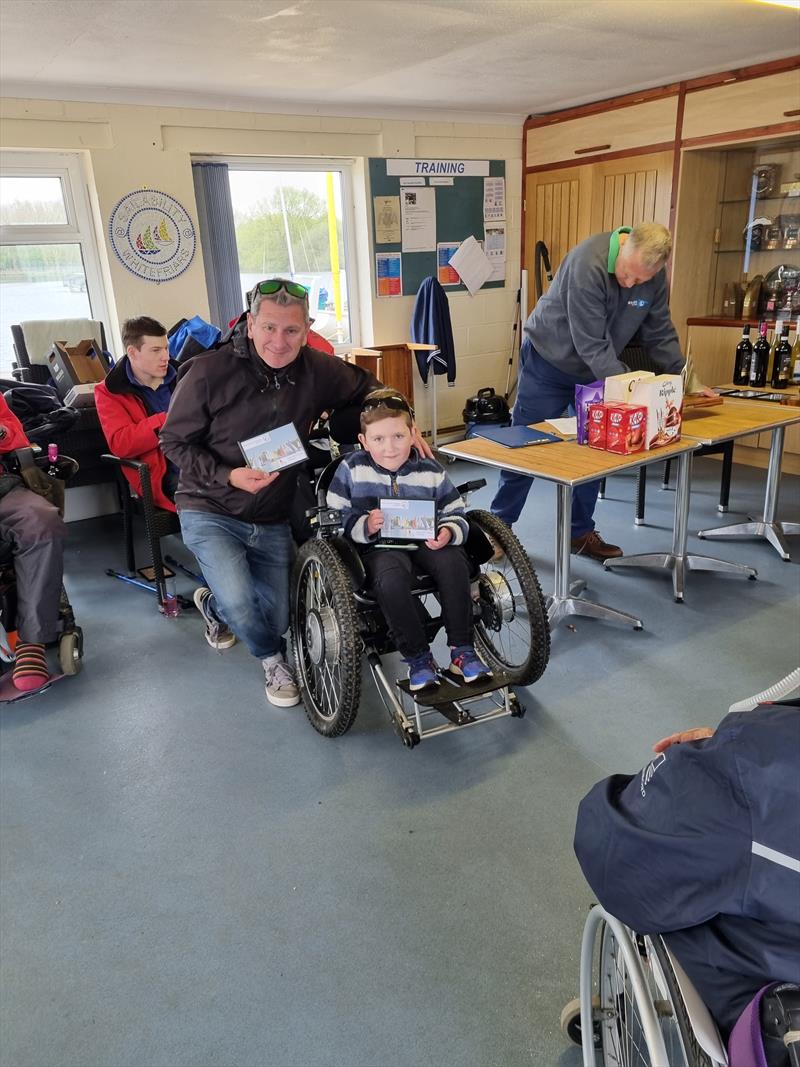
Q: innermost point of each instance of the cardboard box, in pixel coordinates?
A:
(625, 428)
(81, 396)
(584, 396)
(619, 387)
(662, 396)
(79, 364)
(596, 426)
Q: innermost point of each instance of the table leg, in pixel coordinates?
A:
(678, 561)
(766, 527)
(565, 600)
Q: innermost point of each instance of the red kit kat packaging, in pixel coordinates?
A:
(596, 426)
(625, 428)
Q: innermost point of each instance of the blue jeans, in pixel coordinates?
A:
(544, 392)
(246, 566)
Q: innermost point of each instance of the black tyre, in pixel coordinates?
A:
(326, 638)
(512, 631)
(622, 1037)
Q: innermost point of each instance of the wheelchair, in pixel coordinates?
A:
(643, 1011)
(70, 639)
(335, 618)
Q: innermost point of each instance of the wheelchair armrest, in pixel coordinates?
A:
(471, 487)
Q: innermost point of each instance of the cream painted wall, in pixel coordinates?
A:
(127, 147)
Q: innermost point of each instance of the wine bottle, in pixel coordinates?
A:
(744, 354)
(782, 360)
(796, 356)
(760, 358)
(52, 459)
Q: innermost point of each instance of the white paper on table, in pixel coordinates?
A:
(418, 215)
(494, 199)
(566, 427)
(472, 265)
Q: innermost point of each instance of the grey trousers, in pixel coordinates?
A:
(35, 532)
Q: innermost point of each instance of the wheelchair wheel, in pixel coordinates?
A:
(622, 1034)
(512, 631)
(70, 651)
(326, 638)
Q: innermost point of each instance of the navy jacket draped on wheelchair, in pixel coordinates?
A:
(703, 846)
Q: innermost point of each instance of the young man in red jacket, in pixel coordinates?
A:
(132, 406)
(35, 531)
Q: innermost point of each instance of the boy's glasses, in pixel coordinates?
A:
(274, 285)
(394, 403)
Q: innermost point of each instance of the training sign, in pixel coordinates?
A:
(436, 168)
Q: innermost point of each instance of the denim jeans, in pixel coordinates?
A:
(246, 566)
(544, 392)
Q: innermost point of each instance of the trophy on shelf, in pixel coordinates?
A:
(767, 178)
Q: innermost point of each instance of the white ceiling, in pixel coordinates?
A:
(501, 59)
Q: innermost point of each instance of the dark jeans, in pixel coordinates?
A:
(36, 533)
(544, 392)
(391, 573)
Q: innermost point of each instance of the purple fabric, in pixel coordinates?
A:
(745, 1045)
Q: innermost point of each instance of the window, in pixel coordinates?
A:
(290, 222)
(48, 260)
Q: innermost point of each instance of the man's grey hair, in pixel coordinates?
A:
(281, 298)
(652, 241)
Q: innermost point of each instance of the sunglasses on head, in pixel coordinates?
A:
(394, 403)
(274, 285)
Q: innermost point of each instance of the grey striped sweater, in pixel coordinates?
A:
(360, 483)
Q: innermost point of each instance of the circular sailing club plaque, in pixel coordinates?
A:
(152, 235)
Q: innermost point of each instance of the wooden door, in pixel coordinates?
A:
(557, 211)
(631, 190)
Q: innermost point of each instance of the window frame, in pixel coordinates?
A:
(79, 228)
(344, 166)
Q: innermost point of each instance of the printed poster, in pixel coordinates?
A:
(494, 199)
(418, 219)
(387, 219)
(494, 247)
(445, 274)
(388, 274)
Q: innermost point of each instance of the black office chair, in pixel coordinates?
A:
(637, 358)
(158, 522)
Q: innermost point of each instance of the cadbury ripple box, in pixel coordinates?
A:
(584, 396)
(662, 396)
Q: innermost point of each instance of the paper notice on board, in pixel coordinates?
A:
(446, 274)
(418, 216)
(472, 265)
(494, 246)
(494, 199)
(387, 219)
(388, 274)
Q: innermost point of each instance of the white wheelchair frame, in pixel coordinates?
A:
(652, 1011)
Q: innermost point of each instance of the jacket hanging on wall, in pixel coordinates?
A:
(430, 325)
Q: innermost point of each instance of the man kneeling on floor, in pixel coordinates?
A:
(234, 518)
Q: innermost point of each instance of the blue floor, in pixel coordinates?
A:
(190, 876)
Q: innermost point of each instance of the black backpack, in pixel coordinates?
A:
(40, 409)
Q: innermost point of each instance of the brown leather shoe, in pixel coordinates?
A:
(593, 546)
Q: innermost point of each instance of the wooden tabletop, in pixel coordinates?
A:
(736, 418)
(567, 463)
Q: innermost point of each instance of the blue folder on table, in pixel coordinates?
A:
(515, 436)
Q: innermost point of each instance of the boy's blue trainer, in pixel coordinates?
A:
(422, 672)
(465, 661)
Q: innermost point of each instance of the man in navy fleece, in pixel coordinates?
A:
(606, 290)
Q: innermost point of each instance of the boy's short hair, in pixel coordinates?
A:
(134, 331)
(385, 404)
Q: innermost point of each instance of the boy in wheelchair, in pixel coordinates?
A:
(389, 467)
(32, 537)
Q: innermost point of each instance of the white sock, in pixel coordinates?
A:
(270, 661)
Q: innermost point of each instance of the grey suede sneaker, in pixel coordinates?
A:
(217, 633)
(281, 687)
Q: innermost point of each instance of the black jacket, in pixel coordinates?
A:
(229, 395)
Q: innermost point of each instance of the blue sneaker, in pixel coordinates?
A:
(464, 660)
(422, 672)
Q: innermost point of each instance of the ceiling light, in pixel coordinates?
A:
(795, 4)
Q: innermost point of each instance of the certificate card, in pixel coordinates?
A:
(408, 520)
(274, 450)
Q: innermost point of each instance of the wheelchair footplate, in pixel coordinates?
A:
(415, 715)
